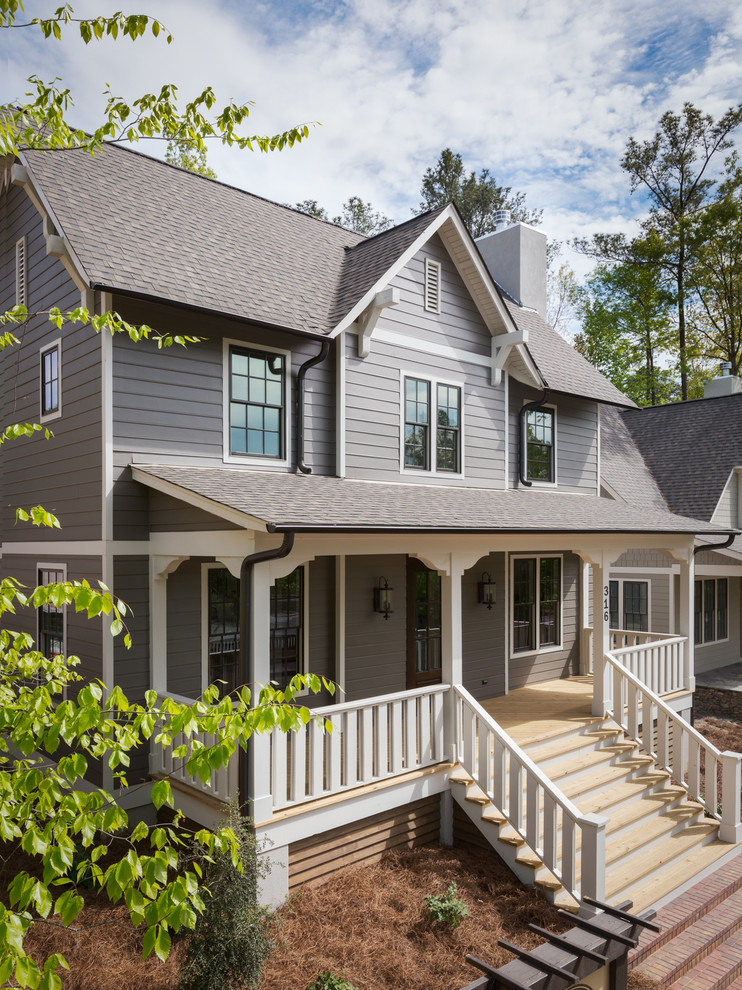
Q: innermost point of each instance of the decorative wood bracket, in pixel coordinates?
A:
(367, 323)
(501, 347)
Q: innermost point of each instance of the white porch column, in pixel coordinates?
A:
(259, 751)
(686, 613)
(586, 639)
(602, 703)
(452, 661)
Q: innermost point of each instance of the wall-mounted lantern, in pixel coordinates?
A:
(487, 590)
(383, 598)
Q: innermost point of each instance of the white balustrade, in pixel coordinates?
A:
(370, 740)
(657, 662)
(677, 747)
(546, 819)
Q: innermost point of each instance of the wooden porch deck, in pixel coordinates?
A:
(539, 711)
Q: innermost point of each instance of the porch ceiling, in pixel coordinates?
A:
(314, 503)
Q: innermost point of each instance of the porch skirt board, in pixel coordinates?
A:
(364, 842)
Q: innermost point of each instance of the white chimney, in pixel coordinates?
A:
(724, 384)
(515, 255)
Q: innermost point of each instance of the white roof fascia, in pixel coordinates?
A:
(23, 176)
(242, 519)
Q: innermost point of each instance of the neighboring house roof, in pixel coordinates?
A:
(622, 468)
(690, 448)
(563, 367)
(306, 503)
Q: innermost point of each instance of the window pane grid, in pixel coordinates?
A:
(447, 435)
(287, 626)
(50, 381)
(537, 591)
(710, 610)
(51, 618)
(256, 408)
(540, 445)
(417, 423)
(224, 625)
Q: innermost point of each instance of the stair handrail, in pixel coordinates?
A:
(682, 759)
(542, 798)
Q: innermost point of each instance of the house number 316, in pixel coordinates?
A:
(605, 603)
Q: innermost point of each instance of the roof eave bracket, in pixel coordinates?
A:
(384, 299)
(502, 344)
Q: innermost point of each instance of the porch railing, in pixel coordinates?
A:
(659, 660)
(546, 819)
(373, 739)
(677, 747)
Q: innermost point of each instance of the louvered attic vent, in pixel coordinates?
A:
(21, 287)
(432, 286)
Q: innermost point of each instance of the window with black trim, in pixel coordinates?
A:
(424, 433)
(49, 380)
(537, 603)
(629, 605)
(224, 628)
(21, 273)
(50, 616)
(257, 402)
(540, 445)
(287, 627)
(711, 610)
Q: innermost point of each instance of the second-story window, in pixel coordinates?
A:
(257, 387)
(432, 442)
(49, 380)
(540, 445)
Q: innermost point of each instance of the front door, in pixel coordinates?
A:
(423, 625)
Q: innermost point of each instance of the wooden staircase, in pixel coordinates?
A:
(657, 841)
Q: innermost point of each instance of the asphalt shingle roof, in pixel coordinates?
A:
(319, 503)
(622, 466)
(690, 448)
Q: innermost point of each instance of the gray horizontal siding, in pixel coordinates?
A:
(643, 558)
(184, 629)
(373, 384)
(548, 665)
(63, 473)
(576, 439)
(131, 667)
(484, 630)
(320, 574)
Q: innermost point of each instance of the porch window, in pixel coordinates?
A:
(51, 617)
(49, 381)
(257, 403)
(287, 627)
(432, 442)
(537, 595)
(224, 628)
(629, 605)
(711, 617)
(540, 445)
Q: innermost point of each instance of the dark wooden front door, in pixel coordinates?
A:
(423, 625)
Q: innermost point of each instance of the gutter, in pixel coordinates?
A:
(528, 407)
(324, 350)
(716, 546)
(246, 665)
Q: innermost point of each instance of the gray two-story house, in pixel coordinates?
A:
(378, 464)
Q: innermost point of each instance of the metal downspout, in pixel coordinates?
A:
(528, 407)
(300, 382)
(716, 546)
(246, 659)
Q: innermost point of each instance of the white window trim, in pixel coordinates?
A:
(21, 272)
(254, 460)
(639, 579)
(44, 565)
(218, 565)
(534, 482)
(708, 577)
(538, 557)
(52, 345)
(433, 272)
(431, 472)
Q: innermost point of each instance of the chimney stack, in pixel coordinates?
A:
(515, 255)
(724, 384)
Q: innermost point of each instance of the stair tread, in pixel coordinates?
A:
(582, 762)
(689, 945)
(660, 855)
(547, 750)
(619, 791)
(644, 805)
(719, 969)
(475, 794)
(460, 776)
(650, 829)
(605, 775)
(652, 888)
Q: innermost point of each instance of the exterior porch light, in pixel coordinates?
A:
(487, 590)
(383, 598)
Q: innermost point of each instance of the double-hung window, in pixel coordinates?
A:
(257, 403)
(540, 445)
(432, 437)
(537, 603)
(50, 377)
(711, 616)
(634, 596)
(50, 616)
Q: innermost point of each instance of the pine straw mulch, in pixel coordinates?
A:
(370, 924)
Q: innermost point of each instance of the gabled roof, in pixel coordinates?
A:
(316, 503)
(622, 468)
(690, 448)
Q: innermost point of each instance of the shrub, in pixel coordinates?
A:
(328, 981)
(230, 942)
(448, 909)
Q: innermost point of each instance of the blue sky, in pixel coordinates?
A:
(544, 93)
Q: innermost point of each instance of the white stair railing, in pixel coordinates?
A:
(546, 819)
(373, 739)
(660, 663)
(678, 748)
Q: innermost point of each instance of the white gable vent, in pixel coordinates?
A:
(21, 286)
(432, 286)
